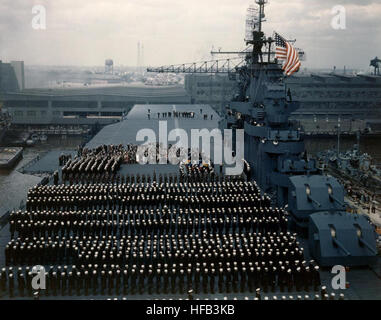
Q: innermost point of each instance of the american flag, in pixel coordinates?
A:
(286, 52)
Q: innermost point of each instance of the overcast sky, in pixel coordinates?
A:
(86, 32)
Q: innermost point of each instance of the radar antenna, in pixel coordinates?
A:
(251, 22)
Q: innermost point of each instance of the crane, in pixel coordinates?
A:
(212, 66)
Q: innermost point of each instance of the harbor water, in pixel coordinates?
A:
(14, 185)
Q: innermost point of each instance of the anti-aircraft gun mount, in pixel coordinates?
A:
(275, 151)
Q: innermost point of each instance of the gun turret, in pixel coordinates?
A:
(341, 246)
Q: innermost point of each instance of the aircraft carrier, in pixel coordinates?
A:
(104, 226)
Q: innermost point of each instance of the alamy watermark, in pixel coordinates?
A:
(339, 20)
(180, 151)
(39, 17)
(339, 280)
(39, 280)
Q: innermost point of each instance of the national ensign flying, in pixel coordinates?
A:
(286, 52)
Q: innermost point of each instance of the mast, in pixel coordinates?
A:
(257, 39)
(261, 4)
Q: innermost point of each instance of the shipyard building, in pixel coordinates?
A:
(12, 78)
(326, 100)
(85, 106)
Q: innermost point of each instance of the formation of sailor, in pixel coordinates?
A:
(187, 195)
(97, 165)
(134, 235)
(102, 159)
(102, 164)
(197, 172)
(177, 114)
(164, 278)
(156, 238)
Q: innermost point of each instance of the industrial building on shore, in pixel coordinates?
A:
(12, 76)
(85, 106)
(327, 100)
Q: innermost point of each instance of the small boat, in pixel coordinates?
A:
(35, 137)
(9, 157)
(43, 138)
(29, 142)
